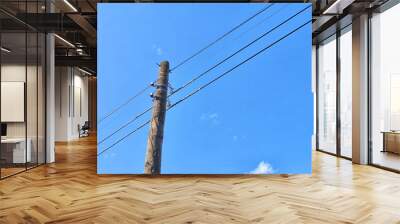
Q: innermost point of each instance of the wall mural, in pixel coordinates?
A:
(204, 88)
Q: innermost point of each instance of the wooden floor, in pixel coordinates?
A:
(386, 159)
(70, 191)
(5, 172)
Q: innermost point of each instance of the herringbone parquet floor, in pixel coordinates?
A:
(70, 191)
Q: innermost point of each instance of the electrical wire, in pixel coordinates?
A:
(121, 139)
(207, 71)
(208, 84)
(186, 60)
(221, 37)
(125, 103)
(238, 65)
(261, 21)
(237, 52)
(246, 31)
(125, 125)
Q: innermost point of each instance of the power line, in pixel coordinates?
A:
(238, 65)
(207, 71)
(207, 84)
(221, 37)
(262, 21)
(125, 125)
(186, 60)
(125, 103)
(121, 139)
(236, 37)
(238, 51)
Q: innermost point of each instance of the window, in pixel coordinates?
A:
(385, 88)
(22, 88)
(346, 92)
(327, 95)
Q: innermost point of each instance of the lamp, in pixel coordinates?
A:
(70, 5)
(64, 40)
(5, 50)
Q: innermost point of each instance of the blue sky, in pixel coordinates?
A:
(257, 119)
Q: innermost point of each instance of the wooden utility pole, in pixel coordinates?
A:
(155, 140)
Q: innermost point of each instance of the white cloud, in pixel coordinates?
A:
(159, 51)
(263, 168)
(107, 155)
(213, 117)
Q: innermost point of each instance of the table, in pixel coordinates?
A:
(391, 141)
(13, 150)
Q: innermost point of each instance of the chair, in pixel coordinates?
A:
(84, 130)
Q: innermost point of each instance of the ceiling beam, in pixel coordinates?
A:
(81, 61)
(86, 27)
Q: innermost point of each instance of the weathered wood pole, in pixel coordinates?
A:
(152, 163)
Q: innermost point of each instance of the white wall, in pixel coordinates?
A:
(80, 89)
(13, 100)
(61, 103)
(71, 94)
